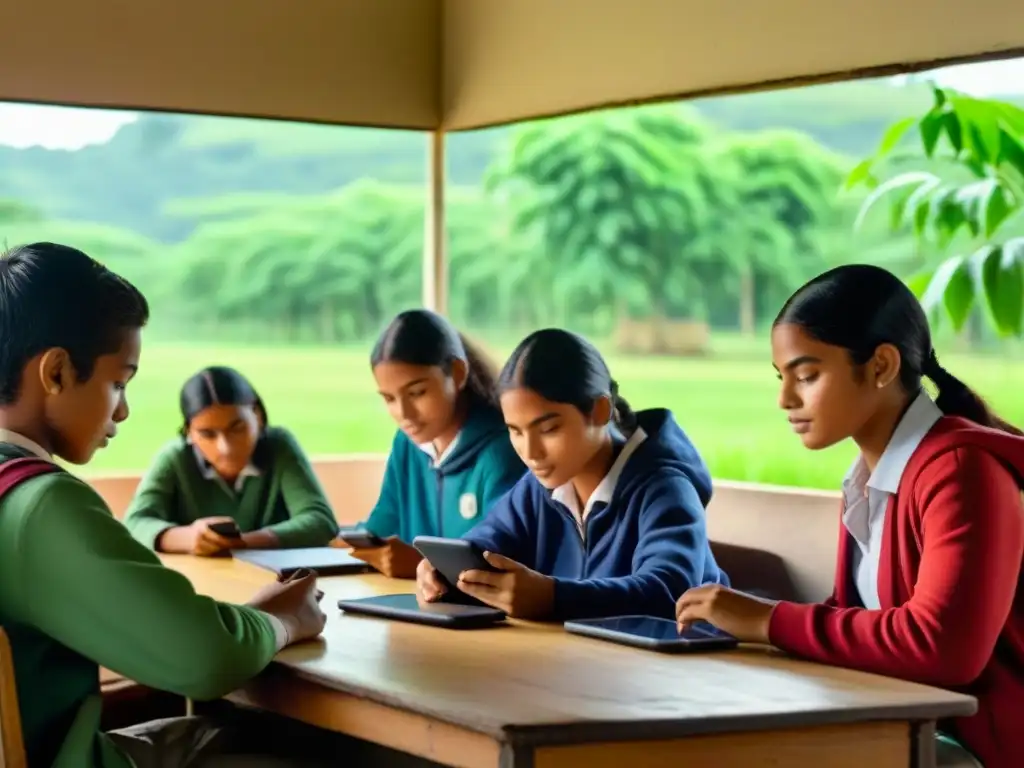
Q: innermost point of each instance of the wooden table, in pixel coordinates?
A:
(532, 696)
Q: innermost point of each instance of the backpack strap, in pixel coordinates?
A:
(16, 471)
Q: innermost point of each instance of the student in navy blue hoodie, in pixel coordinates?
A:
(451, 458)
(610, 519)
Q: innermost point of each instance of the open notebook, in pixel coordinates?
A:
(326, 561)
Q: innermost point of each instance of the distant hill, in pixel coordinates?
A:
(129, 180)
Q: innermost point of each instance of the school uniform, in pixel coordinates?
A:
(425, 494)
(78, 592)
(638, 543)
(927, 578)
(278, 491)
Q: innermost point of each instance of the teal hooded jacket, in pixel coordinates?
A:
(420, 499)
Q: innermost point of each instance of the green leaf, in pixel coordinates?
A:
(954, 131)
(861, 174)
(980, 128)
(905, 182)
(918, 282)
(893, 135)
(952, 288)
(1001, 269)
(931, 128)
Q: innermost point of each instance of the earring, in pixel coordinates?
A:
(54, 390)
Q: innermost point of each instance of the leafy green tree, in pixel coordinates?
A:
(618, 201)
(966, 196)
(785, 186)
(339, 263)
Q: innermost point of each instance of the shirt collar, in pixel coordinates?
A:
(207, 470)
(566, 494)
(916, 423)
(428, 448)
(18, 439)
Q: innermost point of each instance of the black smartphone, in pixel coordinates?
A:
(228, 529)
(361, 539)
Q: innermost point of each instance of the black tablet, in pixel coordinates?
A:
(407, 608)
(654, 634)
(452, 556)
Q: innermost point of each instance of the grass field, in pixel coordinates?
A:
(727, 404)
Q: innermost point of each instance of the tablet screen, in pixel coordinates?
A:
(661, 630)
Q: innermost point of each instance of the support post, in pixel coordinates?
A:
(435, 251)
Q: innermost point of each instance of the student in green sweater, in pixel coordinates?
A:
(451, 457)
(228, 465)
(76, 590)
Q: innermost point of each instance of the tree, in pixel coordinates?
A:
(785, 187)
(968, 197)
(617, 199)
(339, 263)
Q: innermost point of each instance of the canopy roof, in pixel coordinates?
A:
(460, 64)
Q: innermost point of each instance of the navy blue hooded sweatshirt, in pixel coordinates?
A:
(638, 553)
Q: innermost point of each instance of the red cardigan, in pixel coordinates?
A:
(952, 612)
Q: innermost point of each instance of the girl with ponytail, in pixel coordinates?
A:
(610, 519)
(932, 528)
(450, 458)
(230, 480)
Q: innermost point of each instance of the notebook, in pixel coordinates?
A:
(326, 561)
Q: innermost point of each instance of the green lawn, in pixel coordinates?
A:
(726, 403)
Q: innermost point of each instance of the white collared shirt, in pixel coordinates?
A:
(18, 439)
(566, 494)
(207, 470)
(866, 497)
(431, 451)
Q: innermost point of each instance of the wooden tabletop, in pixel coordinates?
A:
(534, 683)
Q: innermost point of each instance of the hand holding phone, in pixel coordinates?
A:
(393, 558)
(228, 529)
(211, 536)
(361, 539)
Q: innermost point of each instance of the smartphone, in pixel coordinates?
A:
(228, 529)
(452, 556)
(654, 634)
(361, 539)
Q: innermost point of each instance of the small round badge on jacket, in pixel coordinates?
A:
(467, 506)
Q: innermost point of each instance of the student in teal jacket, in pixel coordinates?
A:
(228, 465)
(451, 458)
(76, 590)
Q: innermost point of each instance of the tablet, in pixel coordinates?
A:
(326, 561)
(407, 608)
(452, 556)
(654, 634)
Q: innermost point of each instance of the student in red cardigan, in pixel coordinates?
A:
(932, 535)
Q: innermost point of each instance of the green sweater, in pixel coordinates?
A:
(285, 498)
(77, 592)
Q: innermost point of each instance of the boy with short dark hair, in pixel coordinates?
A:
(76, 590)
